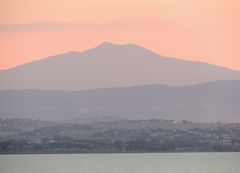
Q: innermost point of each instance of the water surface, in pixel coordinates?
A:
(122, 163)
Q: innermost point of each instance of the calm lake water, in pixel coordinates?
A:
(122, 163)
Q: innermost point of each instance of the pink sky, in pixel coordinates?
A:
(206, 30)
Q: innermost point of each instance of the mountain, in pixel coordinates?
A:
(209, 102)
(110, 65)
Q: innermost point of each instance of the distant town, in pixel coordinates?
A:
(118, 136)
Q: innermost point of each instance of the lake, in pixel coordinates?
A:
(122, 163)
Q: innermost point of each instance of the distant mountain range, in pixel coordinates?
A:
(110, 65)
(214, 101)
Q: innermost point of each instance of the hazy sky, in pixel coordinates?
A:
(199, 30)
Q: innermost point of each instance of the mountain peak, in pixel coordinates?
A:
(106, 43)
(109, 46)
(110, 65)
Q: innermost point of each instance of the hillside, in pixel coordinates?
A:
(110, 65)
(214, 101)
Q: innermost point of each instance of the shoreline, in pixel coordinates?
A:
(93, 153)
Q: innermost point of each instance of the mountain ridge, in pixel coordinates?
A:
(209, 102)
(111, 65)
(106, 44)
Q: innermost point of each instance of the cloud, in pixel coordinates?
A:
(45, 26)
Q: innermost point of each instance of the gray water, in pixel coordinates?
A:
(122, 163)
